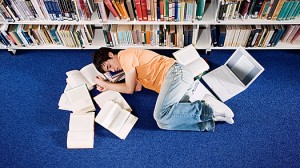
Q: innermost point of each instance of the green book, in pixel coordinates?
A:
(166, 10)
(283, 10)
(200, 9)
(292, 10)
(297, 10)
(290, 5)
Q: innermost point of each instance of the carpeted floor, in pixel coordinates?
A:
(33, 131)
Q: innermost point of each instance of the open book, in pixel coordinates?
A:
(189, 57)
(85, 75)
(236, 75)
(115, 119)
(81, 130)
(77, 99)
(102, 98)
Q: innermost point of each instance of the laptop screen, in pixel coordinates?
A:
(244, 67)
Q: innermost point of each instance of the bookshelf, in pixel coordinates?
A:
(203, 40)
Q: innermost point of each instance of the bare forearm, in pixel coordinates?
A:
(119, 87)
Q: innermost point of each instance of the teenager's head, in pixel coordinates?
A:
(105, 59)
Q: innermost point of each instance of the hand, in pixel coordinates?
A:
(100, 88)
(99, 81)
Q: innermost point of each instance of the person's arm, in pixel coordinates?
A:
(138, 86)
(128, 87)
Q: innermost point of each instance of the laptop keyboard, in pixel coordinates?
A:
(228, 81)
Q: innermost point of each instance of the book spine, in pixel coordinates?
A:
(112, 9)
(130, 9)
(144, 10)
(138, 9)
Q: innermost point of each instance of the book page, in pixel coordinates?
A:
(114, 96)
(128, 125)
(186, 55)
(198, 66)
(80, 139)
(119, 121)
(80, 99)
(64, 103)
(199, 91)
(75, 78)
(82, 122)
(108, 114)
(90, 72)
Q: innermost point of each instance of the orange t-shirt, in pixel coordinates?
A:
(151, 68)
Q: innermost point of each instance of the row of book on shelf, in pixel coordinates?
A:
(151, 10)
(33, 35)
(254, 35)
(155, 35)
(259, 9)
(114, 114)
(20, 10)
(142, 10)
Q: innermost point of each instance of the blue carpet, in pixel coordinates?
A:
(33, 132)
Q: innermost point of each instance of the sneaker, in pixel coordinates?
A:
(218, 107)
(221, 118)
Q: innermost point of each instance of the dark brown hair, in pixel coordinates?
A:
(101, 56)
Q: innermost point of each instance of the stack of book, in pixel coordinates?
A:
(155, 35)
(114, 115)
(15, 10)
(254, 35)
(259, 9)
(151, 10)
(75, 36)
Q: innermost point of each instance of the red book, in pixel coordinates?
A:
(112, 9)
(144, 10)
(161, 9)
(138, 9)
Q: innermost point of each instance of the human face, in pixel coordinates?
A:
(112, 64)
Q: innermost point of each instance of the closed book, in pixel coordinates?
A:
(117, 8)
(138, 9)
(296, 37)
(287, 32)
(244, 8)
(286, 6)
(221, 34)
(293, 9)
(112, 9)
(144, 10)
(265, 9)
(126, 15)
(293, 33)
(130, 9)
(277, 9)
(186, 35)
(272, 9)
(214, 35)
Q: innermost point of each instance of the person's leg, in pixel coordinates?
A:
(173, 114)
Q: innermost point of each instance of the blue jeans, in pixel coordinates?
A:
(173, 111)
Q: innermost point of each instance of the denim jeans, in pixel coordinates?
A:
(173, 111)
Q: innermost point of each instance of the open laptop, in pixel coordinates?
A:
(237, 74)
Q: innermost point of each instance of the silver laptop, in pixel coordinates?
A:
(237, 74)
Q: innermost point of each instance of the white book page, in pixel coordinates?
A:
(114, 96)
(130, 122)
(80, 98)
(119, 121)
(199, 91)
(82, 122)
(186, 55)
(198, 66)
(64, 103)
(80, 139)
(108, 114)
(75, 78)
(242, 67)
(90, 72)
